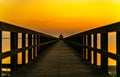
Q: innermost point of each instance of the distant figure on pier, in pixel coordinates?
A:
(61, 37)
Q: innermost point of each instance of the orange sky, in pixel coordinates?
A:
(60, 16)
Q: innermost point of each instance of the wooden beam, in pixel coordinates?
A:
(23, 45)
(81, 48)
(0, 52)
(15, 51)
(13, 28)
(89, 50)
(13, 45)
(118, 52)
(34, 42)
(95, 46)
(84, 47)
(104, 46)
(30, 50)
(108, 28)
(38, 42)
(106, 53)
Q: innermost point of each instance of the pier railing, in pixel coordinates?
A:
(32, 42)
(83, 43)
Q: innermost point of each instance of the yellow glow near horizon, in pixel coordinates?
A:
(55, 16)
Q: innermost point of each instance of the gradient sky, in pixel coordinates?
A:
(60, 16)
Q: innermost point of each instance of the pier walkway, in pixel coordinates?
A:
(60, 60)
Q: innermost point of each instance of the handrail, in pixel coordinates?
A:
(109, 28)
(13, 28)
(82, 41)
(37, 42)
(109, 54)
(15, 51)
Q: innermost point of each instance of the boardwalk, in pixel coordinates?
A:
(59, 60)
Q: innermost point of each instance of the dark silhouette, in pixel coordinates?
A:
(62, 60)
(61, 37)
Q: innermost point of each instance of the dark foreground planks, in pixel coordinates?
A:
(59, 60)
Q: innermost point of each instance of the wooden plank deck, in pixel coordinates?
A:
(59, 60)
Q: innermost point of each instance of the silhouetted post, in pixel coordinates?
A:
(38, 42)
(14, 45)
(23, 45)
(95, 46)
(89, 50)
(34, 43)
(81, 41)
(61, 37)
(42, 39)
(0, 52)
(29, 44)
(104, 46)
(84, 47)
(118, 52)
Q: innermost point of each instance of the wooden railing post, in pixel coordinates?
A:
(104, 46)
(89, 50)
(0, 52)
(14, 45)
(81, 41)
(84, 45)
(118, 52)
(95, 46)
(38, 42)
(34, 43)
(29, 44)
(42, 39)
(23, 45)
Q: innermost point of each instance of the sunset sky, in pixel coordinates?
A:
(60, 16)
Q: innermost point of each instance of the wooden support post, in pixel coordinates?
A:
(41, 39)
(29, 44)
(118, 52)
(89, 50)
(34, 49)
(95, 46)
(38, 42)
(14, 45)
(81, 46)
(84, 39)
(23, 45)
(104, 46)
(0, 52)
